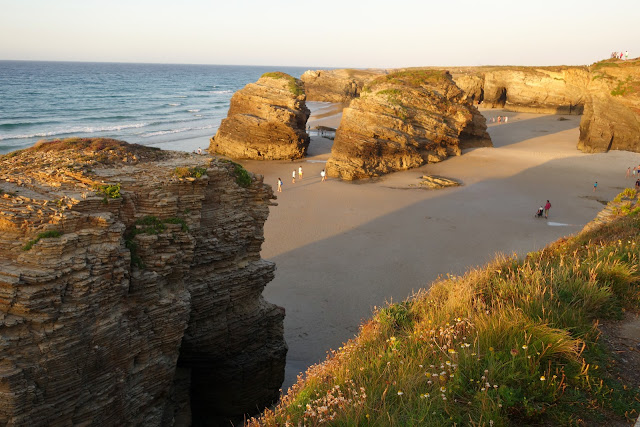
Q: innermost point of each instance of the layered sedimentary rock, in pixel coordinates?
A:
(130, 288)
(611, 119)
(403, 120)
(341, 85)
(266, 121)
(552, 90)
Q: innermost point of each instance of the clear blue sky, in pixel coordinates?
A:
(328, 33)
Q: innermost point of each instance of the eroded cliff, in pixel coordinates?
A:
(403, 120)
(611, 119)
(266, 121)
(340, 85)
(130, 288)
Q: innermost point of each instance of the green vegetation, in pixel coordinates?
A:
(294, 86)
(243, 178)
(194, 172)
(109, 191)
(148, 225)
(44, 235)
(513, 343)
(624, 87)
(411, 78)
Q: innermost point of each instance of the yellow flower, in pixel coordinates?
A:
(490, 348)
(525, 347)
(400, 393)
(542, 378)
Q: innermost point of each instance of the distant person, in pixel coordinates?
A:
(199, 150)
(279, 185)
(637, 183)
(499, 119)
(293, 177)
(540, 212)
(546, 209)
(626, 55)
(506, 119)
(323, 174)
(633, 172)
(621, 55)
(595, 185)
(628, 174)
(300, 172)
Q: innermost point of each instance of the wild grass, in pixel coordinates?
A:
(44, 235)
(185, 172)
(148, 225)
(515, 342)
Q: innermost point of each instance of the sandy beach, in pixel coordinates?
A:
(343, 248)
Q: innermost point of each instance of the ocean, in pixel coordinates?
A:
(171, 106)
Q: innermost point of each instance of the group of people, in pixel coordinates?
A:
(620, 55)
(323, 175)
(500, 119)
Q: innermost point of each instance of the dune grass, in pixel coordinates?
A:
(515, 342)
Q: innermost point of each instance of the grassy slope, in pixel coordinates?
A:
(513, 343)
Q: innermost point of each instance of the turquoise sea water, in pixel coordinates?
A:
(176, 107)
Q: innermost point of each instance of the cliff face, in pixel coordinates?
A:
(403, 120)
(137, 302)
(611, 119)
(266, 121)
(337, 85)
(552, 90)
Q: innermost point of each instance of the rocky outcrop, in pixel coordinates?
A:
(551, 90)
(611, 119)
(130, 288)
(266, 121)
(337, 85)
(401, 121)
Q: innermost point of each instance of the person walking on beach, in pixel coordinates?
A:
(279, 185)
(323, 174)
(595, 185)
(199, 150)
(300, 172)
(293, 177)
(628, 175)
(506, 119)
(546, 209)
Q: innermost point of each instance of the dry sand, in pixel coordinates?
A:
(342, 248)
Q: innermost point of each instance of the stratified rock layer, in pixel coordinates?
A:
(142, 305)
(266, 121)
(341, 85)
(611, 119)
(403, 120)
(551, 90)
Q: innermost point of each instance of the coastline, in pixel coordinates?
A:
(344, 248)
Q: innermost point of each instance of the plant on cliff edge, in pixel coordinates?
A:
(294, 87)
(44, 235)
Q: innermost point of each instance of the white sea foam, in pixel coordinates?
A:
(77, 129)
(220, 91)
(194, 111)
(168, 132)
(174, 104)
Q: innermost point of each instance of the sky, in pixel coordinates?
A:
(328, 33)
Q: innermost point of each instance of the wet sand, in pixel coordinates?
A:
(342, 248)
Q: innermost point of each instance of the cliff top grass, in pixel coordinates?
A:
(410, 78)
(515, 342)
(295, 86)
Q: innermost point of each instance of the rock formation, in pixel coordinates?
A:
(266, 121)
(337, 85)
(130, 288)
(401, 121)
(611, 119)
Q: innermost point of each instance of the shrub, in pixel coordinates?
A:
(44, 235)
(194, 172)
(110, 191)
(294, 86)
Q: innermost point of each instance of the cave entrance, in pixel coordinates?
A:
(502, 97)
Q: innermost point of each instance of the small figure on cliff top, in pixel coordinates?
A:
(199, 150)
(293, 177)
(595, 185)
(299, 172)
(626, 55)
(546, 209)
(279, 185)
(323, 174)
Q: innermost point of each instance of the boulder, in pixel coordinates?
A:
(266, 121)
(403, 120)
(611, 119)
